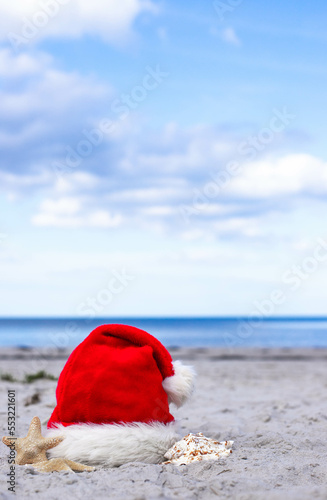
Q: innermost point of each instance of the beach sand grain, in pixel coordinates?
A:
(271, 402)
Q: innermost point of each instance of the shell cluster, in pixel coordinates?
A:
(197, 447)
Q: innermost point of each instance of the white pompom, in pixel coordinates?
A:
(179, 386)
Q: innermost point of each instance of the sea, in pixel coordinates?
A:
(172, 332)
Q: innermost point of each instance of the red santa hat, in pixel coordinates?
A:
(113, 398)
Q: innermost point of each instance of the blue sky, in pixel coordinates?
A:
(182, 148)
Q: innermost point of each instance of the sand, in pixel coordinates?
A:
(271, 403)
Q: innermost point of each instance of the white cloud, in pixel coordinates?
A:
(14, 185)
(35, 19)
(76, 182)
(229, 36)
(258, 203)
(74, 212)
(289, 175)
(240, 226)
(41, 110)
(159, 210)
(20, 66)
(57, 215)
(53, 91)
(146, 195)
(102, 218)
(64, 206)
(136, 178)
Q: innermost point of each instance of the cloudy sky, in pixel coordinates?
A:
(158, 160)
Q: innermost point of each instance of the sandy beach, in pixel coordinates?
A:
(271, 403)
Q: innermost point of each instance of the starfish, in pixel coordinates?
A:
(32, 450)
(33, 447)
(59, 464)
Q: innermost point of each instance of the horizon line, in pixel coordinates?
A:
(159, 317)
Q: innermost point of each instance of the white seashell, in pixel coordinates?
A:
(197, 447)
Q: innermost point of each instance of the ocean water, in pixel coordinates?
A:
(193, 332)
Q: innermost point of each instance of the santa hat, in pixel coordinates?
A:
(113, 398)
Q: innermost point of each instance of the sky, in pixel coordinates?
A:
(163, 159)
